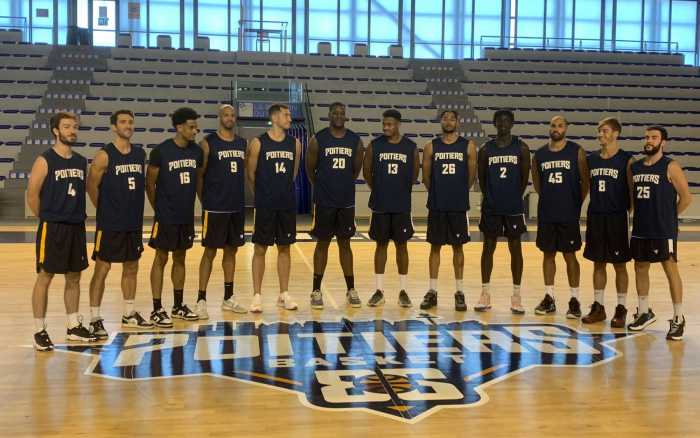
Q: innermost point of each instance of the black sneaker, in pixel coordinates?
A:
(42, 342)
(642, 321)
(404, 300)
(429, 300)
(184, 312)
(574, 311)
(97, 328)
(377, 299)
(160, 318)
(618, 321)
(80, 333)
(675, 333)
(460, 301)
(546, 306)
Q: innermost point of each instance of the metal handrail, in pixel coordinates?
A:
(578, 43)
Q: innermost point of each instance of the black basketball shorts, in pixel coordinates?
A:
(509, 226)
(384, 227)
(448, 227)
(171, 237)
(654, 250)
(117, 246)
(607, 238)
(61, 247)
(559, 237)
(275, 227)
(220, 229)
(332, 222)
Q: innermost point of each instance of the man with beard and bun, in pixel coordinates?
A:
(171, 180)
(560, 177)
(272, 166)
(504, 171)
(659, 194)
(607, 226)
(390, 168)
(449, 171)
(56, 195)
(116, 187)
(333, 162)
(221, 188)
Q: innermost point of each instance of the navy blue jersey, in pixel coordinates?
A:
(335, 176)
(609, 189)
(62, 196)
(121, 191)
(274, 175)
(224, 179)
(655, 209)
(503, 194)
(449, 176)
(560, 184)
(392, 175)
(176, 183)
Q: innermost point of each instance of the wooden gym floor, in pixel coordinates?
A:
(599, 385)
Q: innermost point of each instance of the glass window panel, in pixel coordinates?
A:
(164, 20)
(133, 19)
(587, 26)
(559, 17)
(628, 32)
(103, 23)
(278, 14)
(487, 25)
(212, 22)
(530, 22)
(323, 23)
(458, 31)
(384, 26)
(683, 27)
(656, 22)
(42, 21)
(428, 29)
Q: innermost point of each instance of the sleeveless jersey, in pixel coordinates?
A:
(449, 176)
(560, 184)
(176, 183)
(392, 175)
(655, 214)
(335, 182)
(62, 195)
(274, 175)
(121, 197)
(224, 180)
(503, 193)
(609, 190)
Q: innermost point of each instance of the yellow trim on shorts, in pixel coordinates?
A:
(42, 243)
(204, 225)
(154, 231)
(98, 239)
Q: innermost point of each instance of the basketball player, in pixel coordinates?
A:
(390, 167)
(221, 188)
(607, 225)
(504, 171)
(560, 177)
(272, 166)
(449, 171)
(659, 193)
(116, 188)
(173, 167)
(56, 195)
(333, 162)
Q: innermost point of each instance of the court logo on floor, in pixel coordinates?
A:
(404, 370)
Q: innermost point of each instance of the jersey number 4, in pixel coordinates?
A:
(71, 190)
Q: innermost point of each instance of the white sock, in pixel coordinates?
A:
(643, 304)
(128, 307)
(677, 310)
(402, 281)
(459, 284)
(94, 313)
(485, 288)
(516, 290)
(433, 283)
(73, 320)
(379, 280)
(39, 324)
(622, 299)
(284, 295)
(574, 292)
(549, 290)
(599, 295)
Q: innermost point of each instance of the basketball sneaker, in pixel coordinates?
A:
(377, 299)
(460, 301)
(675, 332)
(232, 305)
(285, 301)
(618, 321)
(429, 300)
(404, 300)
(160, 318)
(516, 306)
(184, 312)
(201, 309)
(317, 300)
(135, 320)
(80, 333)
(97, 328)
(574, 311)
(597, 314)
(256, 304)
(353, 298)
(484, 303)
(42, 342)
(642, 321)
(547, 305)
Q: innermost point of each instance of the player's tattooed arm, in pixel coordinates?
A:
(311, 160)
(367, 166)
(252, 161)
(359, 156)
(680, 183)
(204, 145)
(471, 155)
(297, 158)
(40, 169)
(427, 161)
(535, 174)
(524, 166)
(583, 173)
(95, 174)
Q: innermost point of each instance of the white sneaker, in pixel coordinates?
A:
(232, 305)
(256, 305)
(201, 309)
(484, 303)
(285, 301)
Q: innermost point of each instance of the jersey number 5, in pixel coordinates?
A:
(132, 183)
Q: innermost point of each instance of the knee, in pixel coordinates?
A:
(458, 250)
(229, 251)
(435, 249)
(570, 258)
(514, 244)
(620, 268)
(600, 266)
(259, 250)
(130, 269)
(401, 248)
(210, 253)
(72, 278)
(323, 245)
(343, 244)
(550, 256)
(45, 277)
(382, 246)
(179, 258)
(283, 249)
(641, 267)
(161, 258)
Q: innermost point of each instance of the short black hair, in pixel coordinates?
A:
(394, 114)
(334, 105)
(504, 112)
(661, 129)
(275, 108)
(454, 112)
(55, 121)
(182, 115)
(115, 116)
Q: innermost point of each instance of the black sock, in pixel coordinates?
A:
(317, 281)
(228, 290)
(350, 281)
(157, 305)
(202, 295)
(178, 297)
